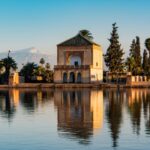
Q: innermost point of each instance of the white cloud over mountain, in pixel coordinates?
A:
(29, 55)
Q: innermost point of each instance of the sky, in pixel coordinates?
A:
(45, 23)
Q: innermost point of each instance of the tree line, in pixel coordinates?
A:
(31, 71)
(134, 63)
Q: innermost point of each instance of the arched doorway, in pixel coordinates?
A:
(72, 77)
(75, 60)
(65, 77)
(79, 77)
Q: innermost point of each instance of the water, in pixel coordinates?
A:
(74, 119)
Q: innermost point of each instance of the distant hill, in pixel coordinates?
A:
(29, 55)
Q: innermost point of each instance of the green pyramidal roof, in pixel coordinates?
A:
(78, 40)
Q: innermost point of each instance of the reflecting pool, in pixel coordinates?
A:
(74, 119)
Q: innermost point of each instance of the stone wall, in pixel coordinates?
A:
(58, 76)
(138, 80)
(96, 75)
(97, 57)
(86, 76)
(14, 78)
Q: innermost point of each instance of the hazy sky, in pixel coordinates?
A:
(45, 23)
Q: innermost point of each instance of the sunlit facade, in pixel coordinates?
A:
(79, 60)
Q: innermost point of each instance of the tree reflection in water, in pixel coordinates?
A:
(7, 106)
(134, 108)
(29, 99)
(147, 113)
(114, 113)
(140, 101)
(80, 113)
(137, 102)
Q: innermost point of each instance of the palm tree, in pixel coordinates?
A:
(1, 67)
(87, 34)
(47, 66)
(42, 61)
(8, 63)
(28, 71)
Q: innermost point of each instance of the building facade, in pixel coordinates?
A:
(79, 60)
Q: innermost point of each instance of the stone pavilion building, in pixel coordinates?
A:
(79, 60)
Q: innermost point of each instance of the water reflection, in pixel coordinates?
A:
(7, 105)
(138, 103)
(135, 99)
(83, 115)
(114, 113)
(29, 99)
(80, 113)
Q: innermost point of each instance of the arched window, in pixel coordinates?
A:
(79, 77)
(72, 77)
(65, 77)
(75, 60)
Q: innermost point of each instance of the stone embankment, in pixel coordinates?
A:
(94, 85)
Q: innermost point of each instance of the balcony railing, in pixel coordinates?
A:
(72, 67)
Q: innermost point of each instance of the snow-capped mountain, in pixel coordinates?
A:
(29, 55)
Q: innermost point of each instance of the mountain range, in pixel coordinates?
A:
(29, 55)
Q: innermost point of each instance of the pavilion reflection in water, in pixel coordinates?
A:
(80, 113)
